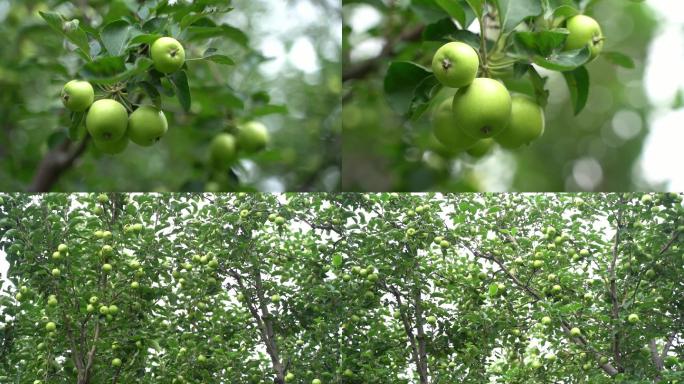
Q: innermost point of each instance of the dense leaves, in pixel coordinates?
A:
(342, 288)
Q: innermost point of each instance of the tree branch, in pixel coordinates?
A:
(56, 162)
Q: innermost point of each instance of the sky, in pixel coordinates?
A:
(663, 79)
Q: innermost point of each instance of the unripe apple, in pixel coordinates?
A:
(106, 267)
(447, 131)
(316, 381)
(167, 54)
(93, 299)
(56, 255)
(201, 359)
(116, 362)
(444, 244)
(252, 136)
(455, 64)
(584, 30)
(546, 320)
(104, 310)
(633, 318)
(275, 298)
(135, 285)
(107, 120)
(525, 125)
(537, 263)
(483, 108)
(222, 151)
(90, 308)
(556, 288)
(62, 248)
(56, 272)
(481, 148)
(575, 332)
(431, 320)
(289, 377)
(78, 95)
(147, 125)
(50, 326)
(280, 220)
(52, 300)
(112, 309)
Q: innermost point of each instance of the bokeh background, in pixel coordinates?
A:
(290, 59)
(627, 138)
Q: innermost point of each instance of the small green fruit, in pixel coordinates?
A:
(78, 95)
(633, 318)
(584, 30)
(252, 136)
(482, 109)
(147, 125)
(116, 362)
(525, 125)
(107, 121)
(455, 64)
(167, 54)
(222, 151)
(50, 326)
(481, 148)
(575, 332)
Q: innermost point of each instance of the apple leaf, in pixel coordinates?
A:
(115, 36)
(493, 289)
(454, 10)
(578, 84)
(401, 82)
(69, 29)
(337, 260)
(513, 12)
(269, 109)
(619, 59)
(180, 82)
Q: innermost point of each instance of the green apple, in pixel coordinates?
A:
(78, 95)
(252, 136)
(201, 359)
(90, 308)
(50, 326)
(112, 147)
(546, 320)
(289, 377)
(107, 250)
(633, 318)
(575, 332)
(52, 300)
(104, 310)
(584, 30)
(316, 381)
(135, 285)
(56, 272)
(112, 309)
(147, 125)
(431, 320)
(537, 263)
(62, 248)
(556, 288)
(348, 373)
(646, 199)
(483, 108)
(116, 362)
(167, 54)
(275, 298)
(222, 151)
(481, 148)
(56, 255)
(107, 120)
(526, 123)
(279, 220)
(455, 64)
(93, 299)
(447, 132)
(444, 244)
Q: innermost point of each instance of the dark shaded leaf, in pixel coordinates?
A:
(578, 84)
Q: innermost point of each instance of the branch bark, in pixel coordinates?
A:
(56, 162)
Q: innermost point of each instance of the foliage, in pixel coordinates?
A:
(220, 87)
(345, 288)
(390, 97)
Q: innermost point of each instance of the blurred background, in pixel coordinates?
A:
(627, 138)
(290, 60)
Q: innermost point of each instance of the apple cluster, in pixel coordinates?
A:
(108, 121)
(483, 111)
(251, 137)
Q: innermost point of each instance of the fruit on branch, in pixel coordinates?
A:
(78, 95)
(431, 320)
(525, 125)
(633, 318)
(546, 320)
(167, 54)
(107, 120)
(575, 332)
(289, 377)
(222, 151)
(62, 248)
(447, 132)
(481, 148)
(116, 362)
(147, 125)
(252, 136)
(584, 30)
(50, 326)
(56, 272)
(483, 108)
(455, 64)
(112, 147)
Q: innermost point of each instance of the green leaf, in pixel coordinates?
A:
(564, 61)
(203, 33)
(112, 69)
(77, 128)
(493, 289)
(541, 42)
(445, 30)
(578, 84)
(454, 10)
(70, 30)
(619, 59)
(337, 260)
(115, 36)
(428, 10)
(152, 92)
(180, 82)
(400, 83)
(220, 59)
(513, 12)
(477, 6)
(269, 109)
(144, 39)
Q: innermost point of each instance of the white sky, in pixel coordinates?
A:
(663, 78)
